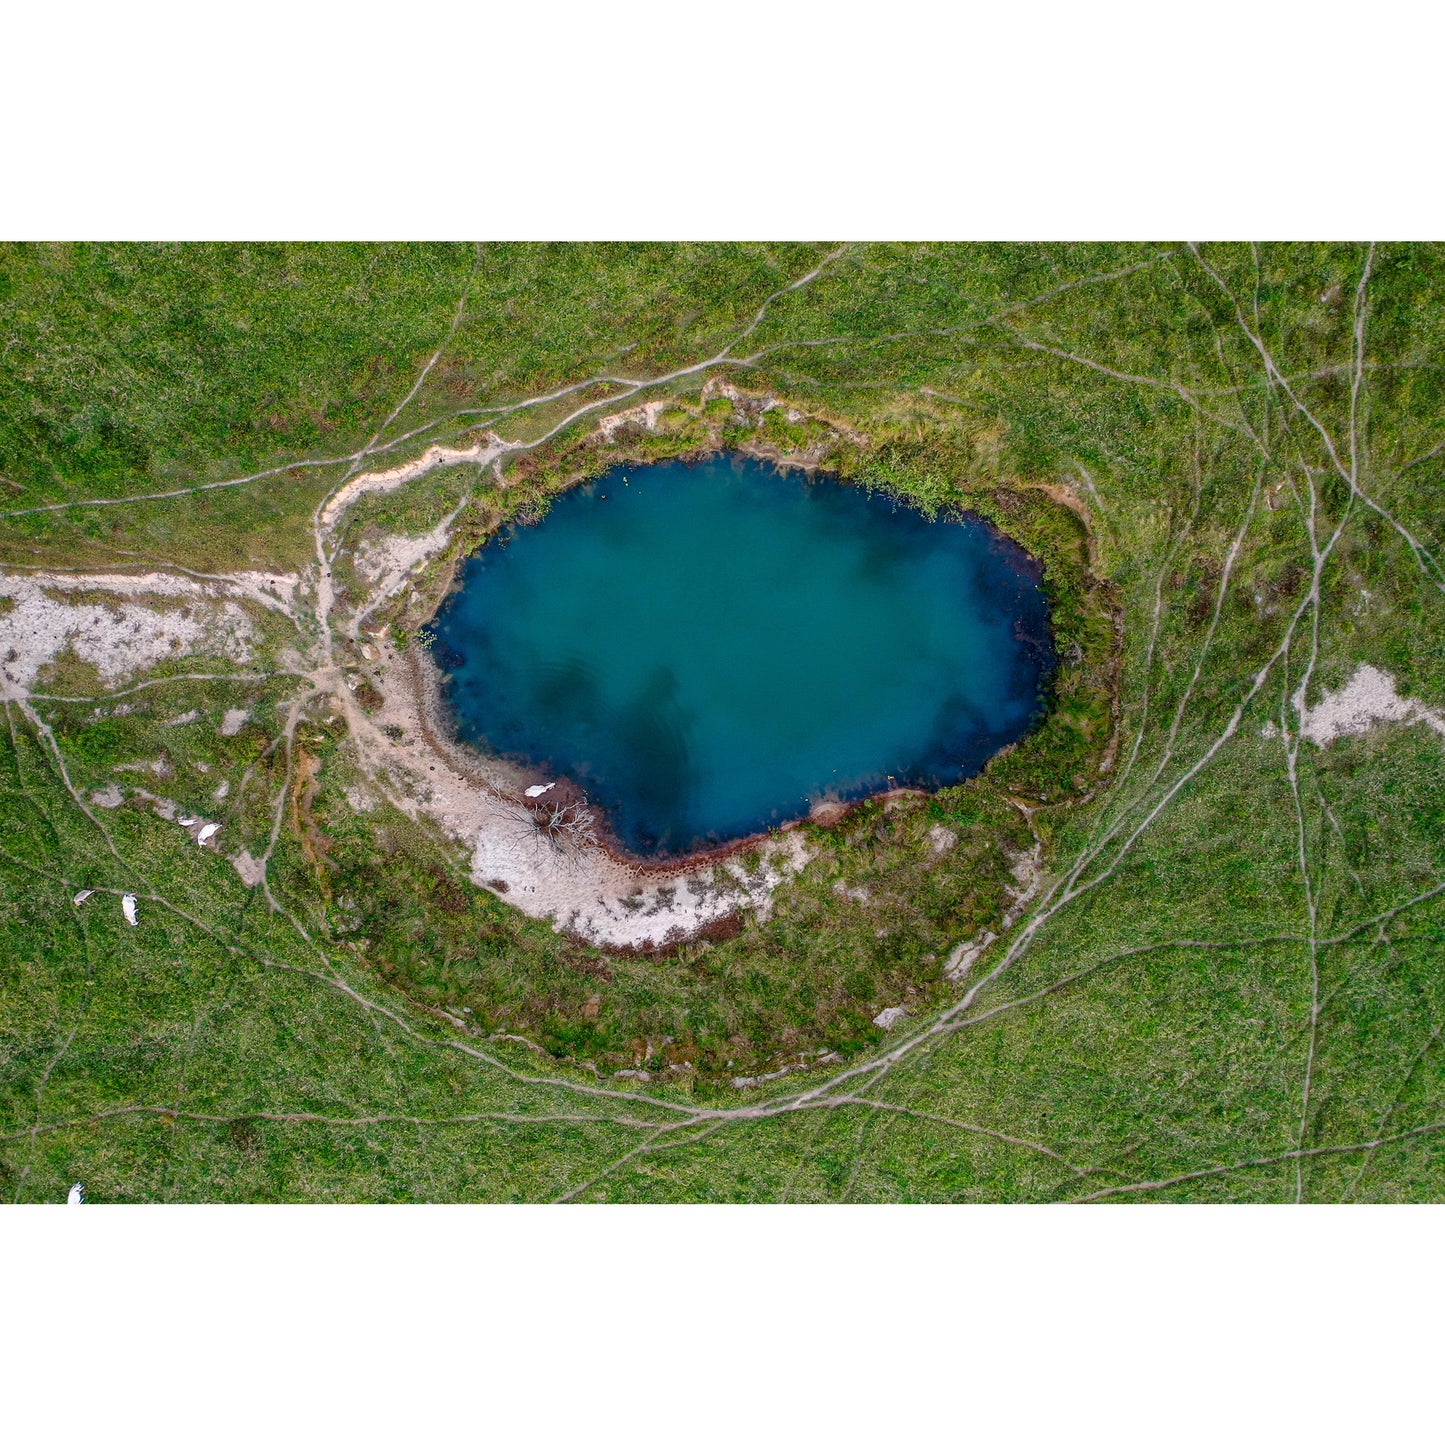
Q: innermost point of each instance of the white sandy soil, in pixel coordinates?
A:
(387, 565)
(483, 451)
(1370, 696)
(644, 415)
(592, 894)
(580, 888)
(251, 869)
(119, 638)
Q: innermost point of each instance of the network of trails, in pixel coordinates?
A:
(1221, 972)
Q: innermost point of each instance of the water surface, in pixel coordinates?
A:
(709, 649)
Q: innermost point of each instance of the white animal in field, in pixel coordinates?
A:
(83, 895)
(127, 906)
(76, 1195)
(207, 833)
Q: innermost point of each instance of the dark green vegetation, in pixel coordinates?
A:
(1232, 976)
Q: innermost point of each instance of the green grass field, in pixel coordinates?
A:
(1231, 983)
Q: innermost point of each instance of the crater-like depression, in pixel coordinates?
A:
(709, 650)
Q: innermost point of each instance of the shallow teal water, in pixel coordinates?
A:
(709, 649)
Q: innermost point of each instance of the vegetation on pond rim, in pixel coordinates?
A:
(709, 649)
(1227, 985)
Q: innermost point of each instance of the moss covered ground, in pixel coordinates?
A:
(1229, 983)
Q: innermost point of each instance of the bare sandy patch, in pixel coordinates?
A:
(579, 886)
(252, 870)
(1368, 697)
(119, 639)
(599, 897)
(1027, 869)
(645, 415)
(488, 447)
(388, 565)
(1028, 874)
(958, 964)
(275, 590)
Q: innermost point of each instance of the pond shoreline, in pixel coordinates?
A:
(598, 894)
(865, 638)
(498, 804)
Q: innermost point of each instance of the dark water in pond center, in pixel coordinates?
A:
(708, 649)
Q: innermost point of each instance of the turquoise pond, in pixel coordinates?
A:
(708, 649)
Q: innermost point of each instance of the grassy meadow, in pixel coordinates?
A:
(1230, 984)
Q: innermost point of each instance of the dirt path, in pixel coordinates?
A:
(670, 1121)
